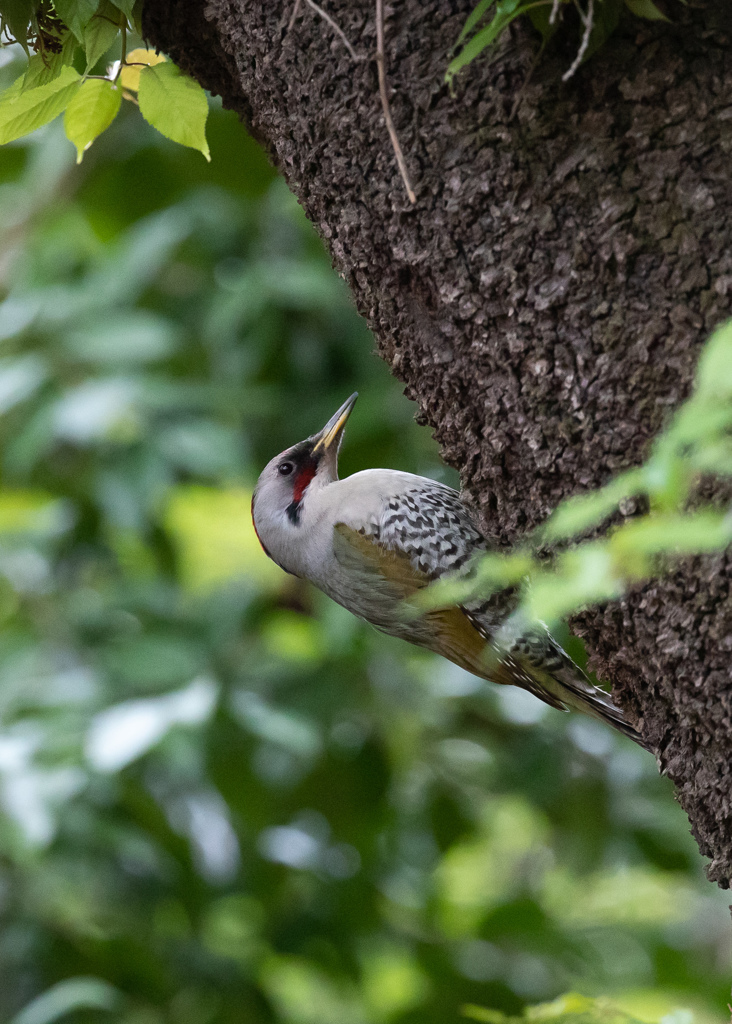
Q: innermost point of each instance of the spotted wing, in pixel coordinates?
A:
(392, 579)
(433, 527)
(426, 533)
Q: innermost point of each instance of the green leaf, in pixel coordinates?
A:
(13, 91)
(606, 20)
(699, 419)
(174, 104)
(672, 534)
(714, 457)
(646, 9)
(90, 112)
(714, 373)
(76, 14)
(136, 18)
(540, 18)
(126, 6)
(667, 478)
(583, 576)
(44, 67)
(101, 32)
(16, 14)
(506, 12)
(473, 18)
(491, 573)
(22, 114)
(601, 570)
(578, 514)
(484, 1015)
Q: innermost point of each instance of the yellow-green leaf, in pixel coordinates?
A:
(76, 14)
(21, 114)
(130, 73)
(92, 109)
(174, 104)
(714, 372)
(473, 19)
(582, 511)
(44, 67)
(506, 12)
(101, 32)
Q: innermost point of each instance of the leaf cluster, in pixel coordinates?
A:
(490, 18)
(69, 39)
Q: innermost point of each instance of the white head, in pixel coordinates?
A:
(286, 483)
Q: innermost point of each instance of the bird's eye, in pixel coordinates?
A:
(285, 468)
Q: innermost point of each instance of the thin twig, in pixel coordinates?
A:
(555, 11)
(336, 28)
(293, 16)
(123, 51)
(380, 64)
(588, 19)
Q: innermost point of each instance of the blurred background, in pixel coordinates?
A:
(222, 798)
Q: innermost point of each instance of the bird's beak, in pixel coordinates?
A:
(330, 435)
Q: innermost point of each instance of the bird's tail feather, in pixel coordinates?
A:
(566, 681)
(532, 658)
(579, 693)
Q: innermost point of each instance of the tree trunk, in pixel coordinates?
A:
(545, 298)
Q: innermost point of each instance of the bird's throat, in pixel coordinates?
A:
(305, 474)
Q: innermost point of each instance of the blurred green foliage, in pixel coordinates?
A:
(568, 1009)
(222, 798)
(84, 58)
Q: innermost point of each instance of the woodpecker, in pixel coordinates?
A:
(376, 538)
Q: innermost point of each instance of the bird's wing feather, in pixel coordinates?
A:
(431, 525)
(558, 670)
(424, 536)
(388, 566)
(446, 630)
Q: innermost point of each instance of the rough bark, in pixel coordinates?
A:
(545, 299)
